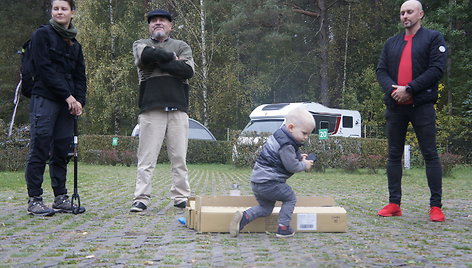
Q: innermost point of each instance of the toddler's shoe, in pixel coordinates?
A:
(390, 210)
(436, 214)
(284, 231)
(239, 220)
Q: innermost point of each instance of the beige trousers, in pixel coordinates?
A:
(155, 126)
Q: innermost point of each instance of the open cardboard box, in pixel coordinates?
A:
(311, 214)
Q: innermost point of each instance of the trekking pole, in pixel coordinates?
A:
(16, 100)
(75, 196)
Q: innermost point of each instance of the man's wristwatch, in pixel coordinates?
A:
(408, 89)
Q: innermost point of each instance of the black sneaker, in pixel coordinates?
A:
(284, 231)
(62, 204)
(181, 204)
(240, 219)
(138, 207)
(38, 208)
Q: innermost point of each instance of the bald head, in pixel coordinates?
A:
(300, 117)
(413, 3)
(411, 13)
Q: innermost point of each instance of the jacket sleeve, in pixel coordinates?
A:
(44, 66)
(383, 76)
(289, 159)
(155, 56)
(138, 48)
(80, 80)
(437, 63)
(184, 67)
(177, 68)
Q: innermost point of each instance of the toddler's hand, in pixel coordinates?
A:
(308, 164)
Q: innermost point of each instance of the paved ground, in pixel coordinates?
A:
(108, 235)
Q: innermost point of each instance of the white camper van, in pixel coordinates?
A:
(339, 122)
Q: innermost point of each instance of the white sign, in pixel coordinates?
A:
(406, 157)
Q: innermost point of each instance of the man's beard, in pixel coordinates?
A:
(158, 35)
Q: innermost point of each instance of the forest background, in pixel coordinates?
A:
(249, 52)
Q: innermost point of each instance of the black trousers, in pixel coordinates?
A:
(423, 119)
(51, 131)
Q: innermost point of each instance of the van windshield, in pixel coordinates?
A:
(262, 126)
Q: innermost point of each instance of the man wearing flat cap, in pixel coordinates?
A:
(164, 67)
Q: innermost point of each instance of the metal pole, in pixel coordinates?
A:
(16, 100)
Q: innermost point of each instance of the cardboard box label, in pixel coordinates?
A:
(306, 222)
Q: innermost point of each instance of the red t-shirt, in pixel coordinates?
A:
(405, 69)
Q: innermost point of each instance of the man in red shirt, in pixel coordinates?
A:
(409, 70)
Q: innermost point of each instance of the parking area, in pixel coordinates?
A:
(108, 235)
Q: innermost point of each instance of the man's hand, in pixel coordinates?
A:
(400, 94)
(75, 107)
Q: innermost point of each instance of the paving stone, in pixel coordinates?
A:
(108, 235)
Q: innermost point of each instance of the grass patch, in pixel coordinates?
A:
(21, 255)
(462, 247)
(172, 260)
(12, 180)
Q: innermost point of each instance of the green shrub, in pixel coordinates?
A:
(351, 162)
(329, 152)
(13, 149)
(374, 162)
(98, 149)
(13, 158)
(449, 161)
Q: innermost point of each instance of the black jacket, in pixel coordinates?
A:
(429, 56)
(60, 68)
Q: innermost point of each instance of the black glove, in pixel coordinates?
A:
(177, 68)
(152, 55)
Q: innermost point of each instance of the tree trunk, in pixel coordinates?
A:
(116, 124)
(204, 64)
(323, 42)
(346, 46)
(449, 62)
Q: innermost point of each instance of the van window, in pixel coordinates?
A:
(348, 122)
(325, 121)
(262, 126)
(275, 106)
(324, 125)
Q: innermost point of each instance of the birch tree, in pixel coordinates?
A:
(107, 38)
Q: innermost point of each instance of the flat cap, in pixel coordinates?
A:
(158, 13)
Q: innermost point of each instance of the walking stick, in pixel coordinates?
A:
(75, 196)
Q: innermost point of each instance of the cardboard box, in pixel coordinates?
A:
(304, 219)
(311, 214)
(190, 214)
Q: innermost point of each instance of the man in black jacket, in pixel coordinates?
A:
(164, 67)
(409, 70)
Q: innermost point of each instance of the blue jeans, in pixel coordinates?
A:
(266, 195)
(52, 128)
(423, 119)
